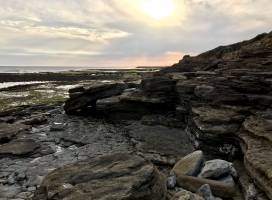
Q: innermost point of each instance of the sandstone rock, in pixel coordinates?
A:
(257, 145)
(218, 188)
(18, 147)
(8, 131)
(189, 165)
(214, 169)
(249, 189)
(217, 115)
(186, 195)
(259, 127)
(117, 176)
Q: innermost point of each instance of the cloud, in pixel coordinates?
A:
(118, 32)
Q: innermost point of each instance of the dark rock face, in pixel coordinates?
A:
(154, 95)
(160, 144)
(117, 176)
(86, 97)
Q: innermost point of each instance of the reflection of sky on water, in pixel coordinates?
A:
(10, 84)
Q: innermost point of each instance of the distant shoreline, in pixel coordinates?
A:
(74, 75)
(52, 69)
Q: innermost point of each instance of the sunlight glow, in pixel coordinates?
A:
(158, 9)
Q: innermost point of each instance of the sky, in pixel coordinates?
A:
(122, 33)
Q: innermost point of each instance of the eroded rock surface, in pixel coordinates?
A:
(117, 176)
(9, 131)
(256, 136)
(20, 147)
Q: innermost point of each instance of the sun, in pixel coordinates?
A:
(158, 9)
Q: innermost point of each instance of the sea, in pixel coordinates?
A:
(37, 69)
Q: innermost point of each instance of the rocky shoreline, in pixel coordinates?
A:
(198, 130)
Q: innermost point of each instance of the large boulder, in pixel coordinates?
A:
(214, 169)
(189, 165)
(83, 98)
(110, 177)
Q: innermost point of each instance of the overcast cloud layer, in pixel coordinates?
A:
(104, 33)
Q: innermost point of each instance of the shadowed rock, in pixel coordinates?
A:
(88, 96)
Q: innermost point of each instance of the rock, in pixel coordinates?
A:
(213, 129)
(205, 192)
(169, 120)
(204, 91)
(90, 95)
(227, 180)
(249, 189)
(218, 188)
(7, 119)
(159, 144)
(35, 120)
(57, 127)
(9, 131)
(189, 165)
(186, 195)
(77, 89)
(257, 144)
(9, 192)
(97, 179)
(177, 76)
(171, 181)
(158, 85)
(214, 169)
(217, 115)
(18, 147)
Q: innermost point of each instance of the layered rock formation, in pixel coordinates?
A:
(225, 95)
